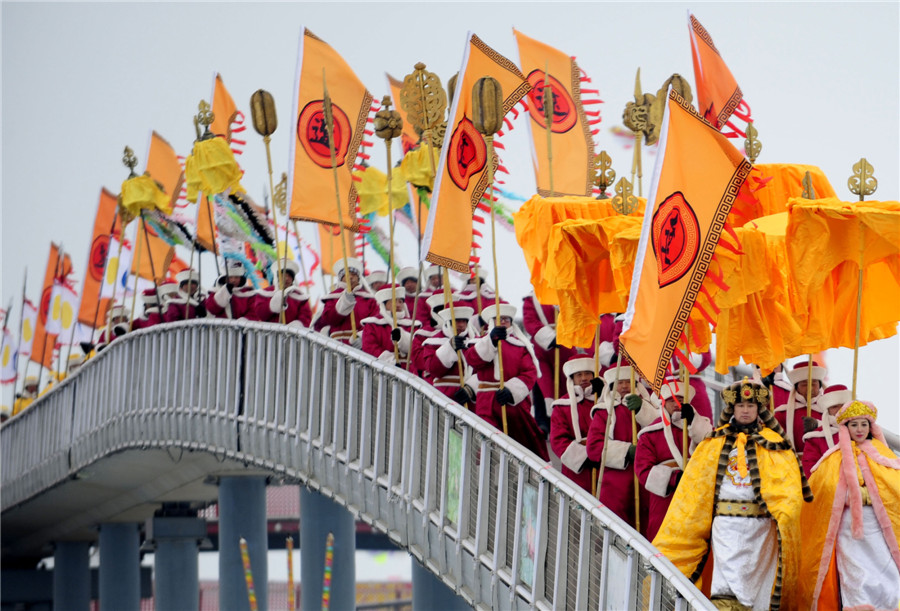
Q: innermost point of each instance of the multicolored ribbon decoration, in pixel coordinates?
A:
(290, 561)
(248, 575)
(326, 584)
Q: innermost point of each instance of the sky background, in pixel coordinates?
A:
(80, 81)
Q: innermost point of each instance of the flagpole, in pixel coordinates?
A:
(611, 394)
(329, 125)
(60, 258)
(861, 183)
(684, 396)
(265, 122)
(389, 125)
(548, 125)
(596, 375)
(487, 105)
(637, 490)
(21, 332)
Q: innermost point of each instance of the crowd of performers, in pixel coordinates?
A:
(774, 506)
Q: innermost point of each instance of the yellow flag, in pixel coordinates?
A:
(572, 146)
(462, 176)
(311, 190)
(696, 179)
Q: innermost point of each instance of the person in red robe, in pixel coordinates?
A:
(380, 337)
(333, 319)
(442, 352)
(610, 440)
(571, 420)
(790, 414)
(291, 298)
(187, 303)
(234, 298)
(519, 374)
(152, 314)
(659, 458)
(823, 434)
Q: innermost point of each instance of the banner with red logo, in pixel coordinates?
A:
(44, 342)
(106, 225)
(311, 190)
(697, 177)
(572, 146)
(461, 177)
(718, 94)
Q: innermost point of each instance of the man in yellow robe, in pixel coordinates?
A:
(738, 506)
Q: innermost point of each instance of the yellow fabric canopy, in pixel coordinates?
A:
(142, 192)
(417, 169)
(372, 190)
(212, 169)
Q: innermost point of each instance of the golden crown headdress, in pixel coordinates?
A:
(857, 409)
(745, 390)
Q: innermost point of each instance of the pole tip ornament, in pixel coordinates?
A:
(262, 109)
(130, 161)
(624, 201)
(863, 182)
(423, 98)
(388, 123)
(604, 175)
(204, 117)
(487, 105)
(752, 145)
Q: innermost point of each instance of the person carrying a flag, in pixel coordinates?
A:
(571, 420)
(233, 298)
(269, 302)
(791, 413)
(350, 295)
(659, 458)
(441, 351)
(379, 335)
(187, 303)
(152, 314)
(822, 435)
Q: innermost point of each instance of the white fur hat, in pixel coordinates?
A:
(378, 276)
(578, 363)
(624, 374)
(432, 270)
(117, 311)
(836, 394)
(676, 386)
(187, 275)
(233, 267)
(355, 265)
(490, 312)
(289, 265)
(800, 372)
(407, 273)
(384, 294)
(460, 312)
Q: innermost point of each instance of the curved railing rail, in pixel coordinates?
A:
(489, 518)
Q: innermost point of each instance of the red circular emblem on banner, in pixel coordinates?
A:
(564, 115)
(675, 235)
(97, 258)
(45, 305)
(314, 136)
(467, 154)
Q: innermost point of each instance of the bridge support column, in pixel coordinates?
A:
(176, 569)
(242, 513)
(72, 576)
(120, 573)
(429, 592)
(319, 515)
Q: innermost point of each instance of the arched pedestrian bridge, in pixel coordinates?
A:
(162, 413)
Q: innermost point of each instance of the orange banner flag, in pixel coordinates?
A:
(572, 146)
(163, 167)
(332, 253)
(92, 311)
(718, 94)
(311, 190)
(207, 231)
(44, 343)
(224, 109)
(697, 177)
(152, 253)
(462, 178)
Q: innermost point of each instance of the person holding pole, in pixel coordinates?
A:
(819, 440)
(434, 305)
(609, 440)
(504, 391)
(284, 296)
(117, 325)
(233, 298)
(571, 420)
(808, 383)
(346, 304)
(187, 303)
(152, 314)
(439, 353)
(659, 458)
(380, 338)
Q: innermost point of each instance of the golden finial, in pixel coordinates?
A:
(624, 201)
(808, 191)
(130, 161)
(423, 98)
(752, 146)
(281, 194)
(604, 175)
(863, 181)
(388, 123)
(204, 117)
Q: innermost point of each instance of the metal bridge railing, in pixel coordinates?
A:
(494, 522)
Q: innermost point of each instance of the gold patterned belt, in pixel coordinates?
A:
(446, 381)
(739, 509)
(485, 386)
(342, 334)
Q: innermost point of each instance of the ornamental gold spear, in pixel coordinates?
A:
(425, 103)
(389, 125)
(265, 122)
(130, 161)
(329, 126)
(861, 183)
(487, 116)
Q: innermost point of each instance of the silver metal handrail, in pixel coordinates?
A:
(494, 522)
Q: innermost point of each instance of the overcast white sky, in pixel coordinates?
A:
(82, 80)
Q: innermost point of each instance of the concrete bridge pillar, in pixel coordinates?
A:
(176, 536)
(242, 513)
(319, 516)
(429, 592)
(120, 561)
(72, 576)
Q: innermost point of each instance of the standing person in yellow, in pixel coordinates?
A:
(851, 553)
(738, 505)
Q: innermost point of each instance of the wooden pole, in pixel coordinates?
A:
(637, 489)
(596, 375)
(329, 125)
(684, 396)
